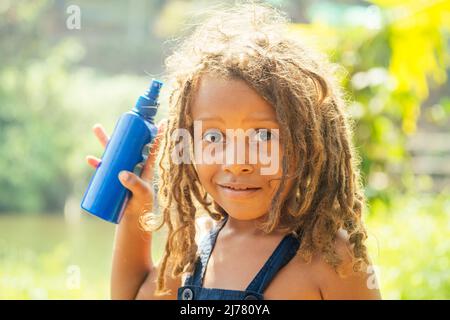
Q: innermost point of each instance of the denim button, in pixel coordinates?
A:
(251, 297)
(187, 294)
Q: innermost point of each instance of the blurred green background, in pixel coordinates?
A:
(57, 81)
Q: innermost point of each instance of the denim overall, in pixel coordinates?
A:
(193, 286)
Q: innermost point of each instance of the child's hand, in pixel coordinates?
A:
(140, 187)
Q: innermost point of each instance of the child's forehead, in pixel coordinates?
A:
(219, 97)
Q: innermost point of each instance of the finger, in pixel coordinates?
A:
(147, 172)
(136, 185)
(101, 134)
(93, 161)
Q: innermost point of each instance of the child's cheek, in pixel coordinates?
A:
(205, 174)
(274, 180)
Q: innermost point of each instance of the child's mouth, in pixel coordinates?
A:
(238, 191)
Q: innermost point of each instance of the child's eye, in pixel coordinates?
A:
(263, 135)
(213, 136)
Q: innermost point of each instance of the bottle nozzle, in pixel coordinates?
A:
(153, 91)
(147, 104)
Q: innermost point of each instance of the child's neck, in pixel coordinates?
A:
(235, 226)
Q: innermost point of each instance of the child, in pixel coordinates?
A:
(234, 232)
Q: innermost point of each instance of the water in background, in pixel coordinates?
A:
(52, 257)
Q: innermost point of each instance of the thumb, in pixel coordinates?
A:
(134, 183)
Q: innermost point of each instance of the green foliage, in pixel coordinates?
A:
(35, 131)
(392, 56)
(410, 248)
(32, 81)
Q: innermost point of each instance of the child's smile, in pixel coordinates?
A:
(238, 187)
(238, 190)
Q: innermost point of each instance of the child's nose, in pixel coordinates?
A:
(238, 169)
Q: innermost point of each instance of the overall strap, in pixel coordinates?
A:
(283, 253)
(205, 249)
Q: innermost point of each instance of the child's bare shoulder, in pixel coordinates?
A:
(347, 285)
(316, 279)
(295, 281)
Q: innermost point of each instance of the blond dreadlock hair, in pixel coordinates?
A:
(249, 42)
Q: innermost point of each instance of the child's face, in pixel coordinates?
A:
(231, 104)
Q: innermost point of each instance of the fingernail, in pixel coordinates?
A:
(124, 176)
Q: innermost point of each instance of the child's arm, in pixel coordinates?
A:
(132, 263)
(133, 273)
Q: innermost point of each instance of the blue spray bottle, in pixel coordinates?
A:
(105, 196)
